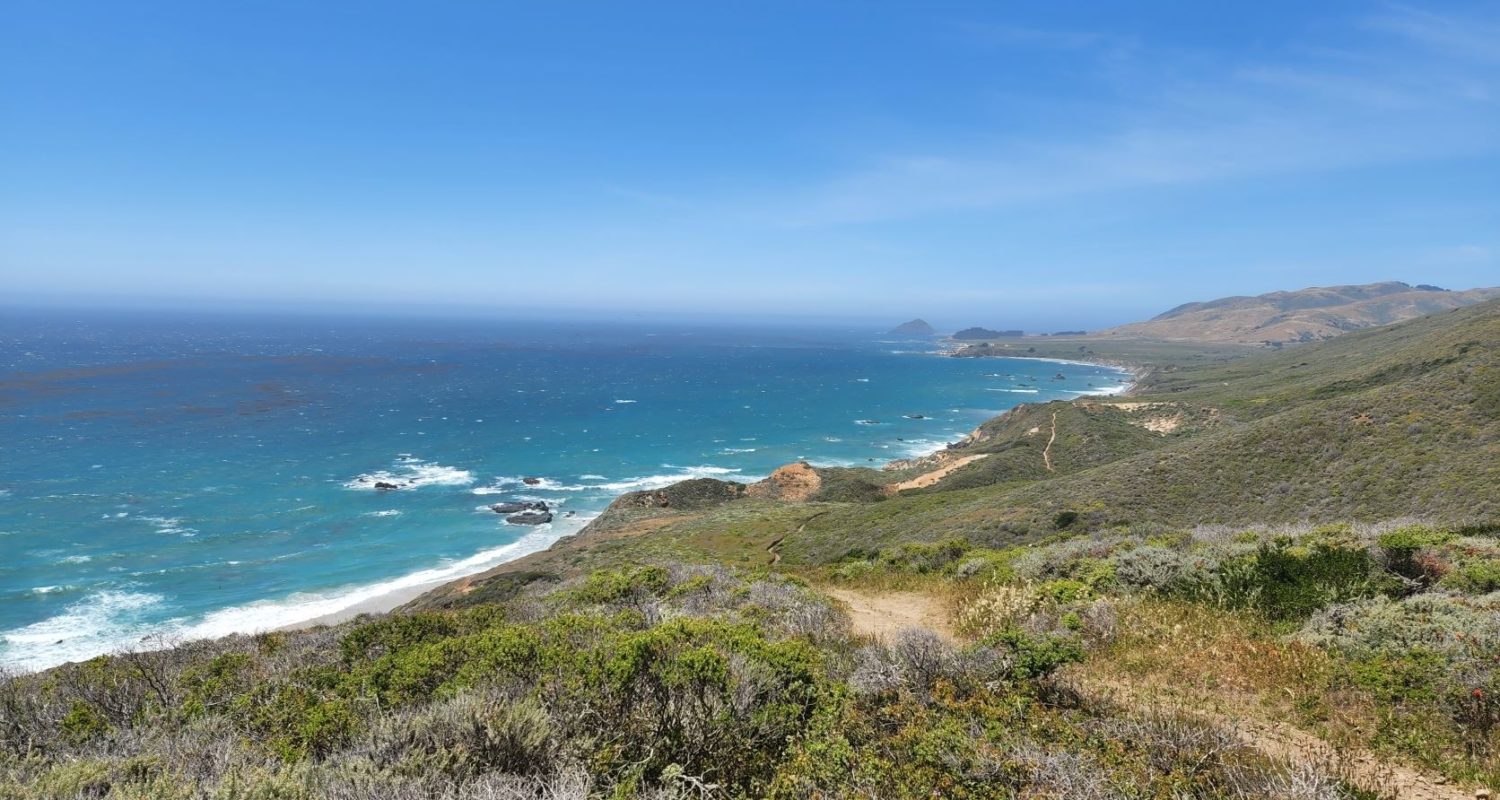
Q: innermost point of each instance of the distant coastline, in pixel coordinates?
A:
(396, 598)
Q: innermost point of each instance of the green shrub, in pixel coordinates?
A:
(1034, 657)
(601, 588)
(1477, 576)
(922, 558)
(375, 640)
(1287, 582)
(1402, 545)
(214, 684)
(1064, 590)
(83, 722)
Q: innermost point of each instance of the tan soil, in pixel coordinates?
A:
(1047, 451)
(880, 615)
(794, 483)
(1162, 425)
(1127, 406)
(929, 478)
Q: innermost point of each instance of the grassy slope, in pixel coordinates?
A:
(1377, 424)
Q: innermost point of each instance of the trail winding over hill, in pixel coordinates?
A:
(1047, 451)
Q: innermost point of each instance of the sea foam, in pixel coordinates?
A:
(101, 622)
(412, 473)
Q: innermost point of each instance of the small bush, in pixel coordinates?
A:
(83, 723)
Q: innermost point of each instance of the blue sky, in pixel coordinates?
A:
(992, 163)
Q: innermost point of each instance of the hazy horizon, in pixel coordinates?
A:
(1041, 168)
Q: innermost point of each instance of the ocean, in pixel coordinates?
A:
(182, 476)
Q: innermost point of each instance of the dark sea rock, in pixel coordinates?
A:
(916, 416)
(530, 518)
(514, 507)
(531, 481)
(386, 486)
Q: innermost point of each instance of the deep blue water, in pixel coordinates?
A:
(197, 476)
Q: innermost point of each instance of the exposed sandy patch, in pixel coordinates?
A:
(880, 615)
(1130, 406)
(794, 483)
(1161, 425)
(929, 478)
(1036, 429)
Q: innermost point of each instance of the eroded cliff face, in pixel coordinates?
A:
(795, 483)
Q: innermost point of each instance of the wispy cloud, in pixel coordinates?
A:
(1425, 95)
(1462, 37)
(1021, 36)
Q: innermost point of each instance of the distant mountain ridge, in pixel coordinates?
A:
(986, 333)
(1307, 315)
(917, 327)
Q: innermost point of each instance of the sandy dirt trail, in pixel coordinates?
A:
(929, 478)
(1047, 451)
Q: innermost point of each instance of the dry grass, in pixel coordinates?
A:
(1236, 667)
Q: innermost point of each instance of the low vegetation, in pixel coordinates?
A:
(1383, 638)
(644, 682)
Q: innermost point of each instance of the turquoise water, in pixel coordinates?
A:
(197, 476)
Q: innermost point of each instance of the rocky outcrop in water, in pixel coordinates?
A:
(530, 518)
(517, 507)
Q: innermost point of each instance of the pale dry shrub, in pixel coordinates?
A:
(913, 661)
(1151, 568)
(1101, 621)
(1446, 623)
(1299, 780)
(1058, 560)
(1061, 775)
(999, 607)
(791, 609)
(1176, 743)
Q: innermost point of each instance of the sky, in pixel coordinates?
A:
(1006, 164)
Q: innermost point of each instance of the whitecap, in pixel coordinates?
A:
(412, 474)
(624, 402)
(388, 513)
(77, 560)
(645, 482)
(916, 448)
(101, 622)
(169, 525)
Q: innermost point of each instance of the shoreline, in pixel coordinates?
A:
(394, 599)
(307, 610)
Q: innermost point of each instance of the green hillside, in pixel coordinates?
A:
(1271, 576)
